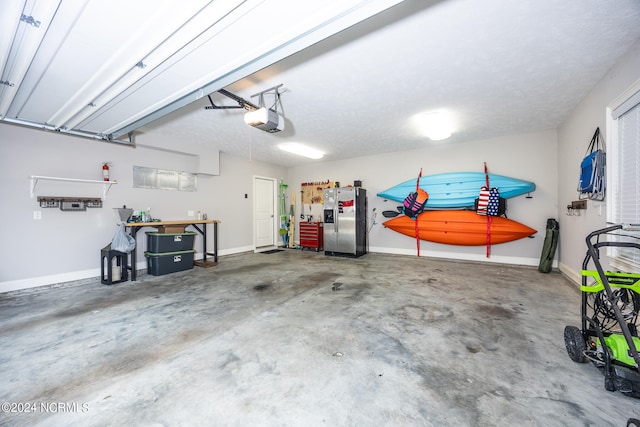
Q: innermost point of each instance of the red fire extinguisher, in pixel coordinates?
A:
(105, 172)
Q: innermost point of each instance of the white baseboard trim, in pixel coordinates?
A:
(234, 251)
(94, 274)
(91, 274)
(571, 274)
(35, 282)
(461, 256)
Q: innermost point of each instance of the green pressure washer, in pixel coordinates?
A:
(610, 306)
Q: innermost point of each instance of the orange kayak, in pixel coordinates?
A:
(464, 228)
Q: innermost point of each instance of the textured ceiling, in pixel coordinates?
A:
(500, 67)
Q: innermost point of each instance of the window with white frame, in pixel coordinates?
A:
(623, 194)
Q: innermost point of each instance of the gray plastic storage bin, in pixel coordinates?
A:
(169, 262)
(170, 242)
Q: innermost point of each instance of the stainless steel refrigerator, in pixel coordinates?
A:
(345, 221)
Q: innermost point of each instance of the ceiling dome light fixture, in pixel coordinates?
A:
(435, 125)
(301, 150)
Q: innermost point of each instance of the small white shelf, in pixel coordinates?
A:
(33, 181)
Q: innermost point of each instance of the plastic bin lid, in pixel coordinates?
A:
(155, 233)
(157, 254)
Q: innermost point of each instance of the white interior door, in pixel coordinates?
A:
(265, 215)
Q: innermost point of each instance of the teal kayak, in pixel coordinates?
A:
(457, 189)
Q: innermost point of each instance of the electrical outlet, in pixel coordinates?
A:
(190, 213)
(37, 214)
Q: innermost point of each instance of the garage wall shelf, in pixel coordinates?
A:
(33, 180)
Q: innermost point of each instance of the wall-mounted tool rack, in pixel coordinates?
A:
(69, 204)
(575, 207)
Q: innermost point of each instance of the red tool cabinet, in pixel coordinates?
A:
(312, 235)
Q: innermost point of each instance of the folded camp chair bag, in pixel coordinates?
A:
(549, 246)
(592, 182)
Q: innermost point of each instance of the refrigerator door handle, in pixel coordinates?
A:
(335, 220)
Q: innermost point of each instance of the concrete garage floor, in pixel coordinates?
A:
(265, 340)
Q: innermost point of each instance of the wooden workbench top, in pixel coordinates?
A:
(182, 222)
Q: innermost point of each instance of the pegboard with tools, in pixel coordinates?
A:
(313, 192)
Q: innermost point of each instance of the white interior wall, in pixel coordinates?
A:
(531, 157)
(573, 138)
(65, 246)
